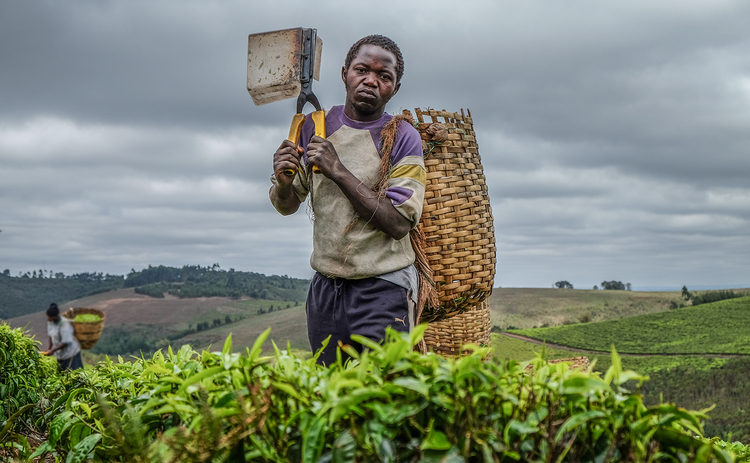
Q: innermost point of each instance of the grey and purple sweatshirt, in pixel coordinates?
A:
(363, 251)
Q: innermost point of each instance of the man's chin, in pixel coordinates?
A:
(365, 109)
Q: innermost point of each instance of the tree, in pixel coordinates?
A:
(564, 284)
(618, 285)
(596, 288)
(685, 293)
(628, 287)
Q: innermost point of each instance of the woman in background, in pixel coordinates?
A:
(62, 341)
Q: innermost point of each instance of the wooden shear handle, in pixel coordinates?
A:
(319, 118)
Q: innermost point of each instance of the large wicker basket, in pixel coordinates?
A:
(457, 218)
(87, 334)
(447, 337)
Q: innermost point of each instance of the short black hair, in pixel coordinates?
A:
(53, 310)
(383, 42)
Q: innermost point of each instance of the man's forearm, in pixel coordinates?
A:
(377, 211)
(283, 199)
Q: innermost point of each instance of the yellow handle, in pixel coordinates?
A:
(319, 118)
(294, 132)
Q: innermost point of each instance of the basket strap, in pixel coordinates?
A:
(427, 294)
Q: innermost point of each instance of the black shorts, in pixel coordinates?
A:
(340, 308)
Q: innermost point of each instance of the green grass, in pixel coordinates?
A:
(718, 328)
(525, 308)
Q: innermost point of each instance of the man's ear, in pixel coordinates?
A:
(398, 86)
(343, 74)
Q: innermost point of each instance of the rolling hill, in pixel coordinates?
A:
(171, 320)
(717, 328)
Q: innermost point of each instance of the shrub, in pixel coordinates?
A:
(24, 375)
(714, 296)
(388, 404)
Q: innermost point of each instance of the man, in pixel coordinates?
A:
(62, 341)
(364, 205)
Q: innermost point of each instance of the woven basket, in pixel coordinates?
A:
(446, 337)
(87, 334)
(457, 218)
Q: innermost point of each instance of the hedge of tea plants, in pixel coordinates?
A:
(391, 404)
(25, 379)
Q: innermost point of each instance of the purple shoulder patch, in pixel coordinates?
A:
(398, 195)
(407, 143)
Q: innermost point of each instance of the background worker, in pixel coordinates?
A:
(364, 205)
(62, 341)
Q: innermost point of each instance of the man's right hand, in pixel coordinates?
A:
(286, 159)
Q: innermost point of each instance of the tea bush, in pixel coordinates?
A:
(24, 374)
(390, 404)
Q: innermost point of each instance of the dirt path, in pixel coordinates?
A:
(621, 354)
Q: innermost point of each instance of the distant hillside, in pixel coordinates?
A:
(523, 308)
(717, 328)
(31, 293)
(197, 281)
(138, 322)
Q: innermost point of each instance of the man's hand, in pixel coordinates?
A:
(322, 154)
(286, 158)
(282, 195)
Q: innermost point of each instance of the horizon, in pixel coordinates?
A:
(649, 288)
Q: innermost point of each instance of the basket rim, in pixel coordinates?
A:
(71, 313)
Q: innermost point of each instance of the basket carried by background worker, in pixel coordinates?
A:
(457, 220)
(87, 333)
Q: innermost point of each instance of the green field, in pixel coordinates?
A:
(510, 348)
(524, 308)
(716, 328)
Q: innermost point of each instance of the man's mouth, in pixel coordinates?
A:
(366, 94)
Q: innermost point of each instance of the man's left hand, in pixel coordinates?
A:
(322, 154)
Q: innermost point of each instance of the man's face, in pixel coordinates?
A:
(370, 82)
(55, 319)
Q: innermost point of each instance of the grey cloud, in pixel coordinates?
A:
(614, 136)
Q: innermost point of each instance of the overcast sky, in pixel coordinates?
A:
(615, 136)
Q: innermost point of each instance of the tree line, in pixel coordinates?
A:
(32, 292)
(709, 296)
(213, 281)
(616, 285)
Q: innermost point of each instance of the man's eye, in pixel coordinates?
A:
(386, 77)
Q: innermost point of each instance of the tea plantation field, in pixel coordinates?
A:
(718, 328)
(696, 357)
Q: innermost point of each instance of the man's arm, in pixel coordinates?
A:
(282, 195)
(379, 212)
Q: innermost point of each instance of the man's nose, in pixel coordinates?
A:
(371, 79)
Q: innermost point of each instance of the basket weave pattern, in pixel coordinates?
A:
(446, 337)
(87, 334)
(456, 219)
